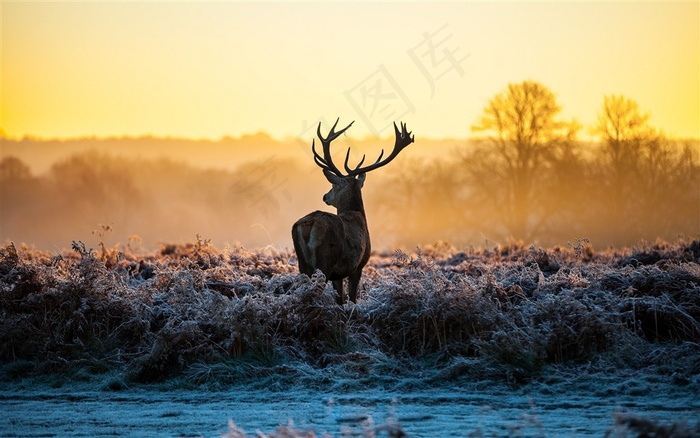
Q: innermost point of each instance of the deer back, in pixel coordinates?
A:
(338, 245)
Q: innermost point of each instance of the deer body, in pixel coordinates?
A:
(338, 244)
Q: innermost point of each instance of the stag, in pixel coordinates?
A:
(338, 244)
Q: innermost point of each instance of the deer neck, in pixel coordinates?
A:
(352, 204)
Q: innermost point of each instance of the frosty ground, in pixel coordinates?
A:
(578, 408)
(508, 341)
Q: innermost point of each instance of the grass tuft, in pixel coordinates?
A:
(213, 316)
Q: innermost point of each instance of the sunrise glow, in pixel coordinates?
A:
(215, 69)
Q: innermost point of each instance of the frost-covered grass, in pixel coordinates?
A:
(215, 317)
(506, 316)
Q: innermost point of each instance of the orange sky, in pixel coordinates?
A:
(214, 69)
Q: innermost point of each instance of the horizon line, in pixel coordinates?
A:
(263, 135)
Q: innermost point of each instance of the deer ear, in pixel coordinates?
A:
(332, 177)
(361, 178)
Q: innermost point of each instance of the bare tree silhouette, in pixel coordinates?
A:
(647, 184)
(17, 186)
(510, 172)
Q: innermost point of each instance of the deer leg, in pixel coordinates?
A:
(338, 286)
(353, 283)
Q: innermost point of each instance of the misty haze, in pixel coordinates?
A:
(248, 192)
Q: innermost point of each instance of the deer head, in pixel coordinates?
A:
(344, 194)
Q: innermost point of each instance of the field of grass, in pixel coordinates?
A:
(212, 318)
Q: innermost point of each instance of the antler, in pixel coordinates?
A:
(403, 139)
(326, 162)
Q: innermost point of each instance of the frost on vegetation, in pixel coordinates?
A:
(209, 316)
(366, 429)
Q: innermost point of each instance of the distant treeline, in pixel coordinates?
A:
(96, 197)
(526, 177)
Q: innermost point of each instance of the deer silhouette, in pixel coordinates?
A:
(338, 244)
